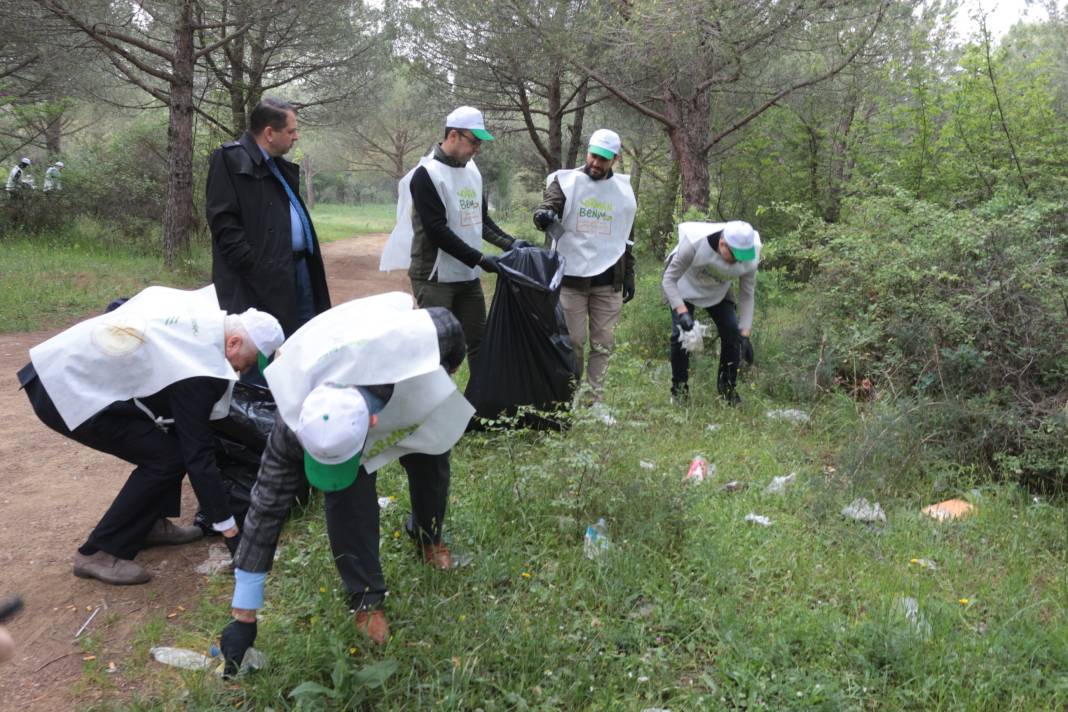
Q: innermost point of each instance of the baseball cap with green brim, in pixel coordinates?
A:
(333, 425)
(470, 118)
(741, 238)
(605, 143)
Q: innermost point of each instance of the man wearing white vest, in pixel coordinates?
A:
(441, 222)
(142, 383)
(698, 274)
(344, 383)
(596, 208)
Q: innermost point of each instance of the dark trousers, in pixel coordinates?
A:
(467, 303)
(152, 490)
(725, 317)
(352, 521)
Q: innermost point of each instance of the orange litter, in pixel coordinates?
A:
(950, 509)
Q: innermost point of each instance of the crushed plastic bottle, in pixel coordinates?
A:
(779, 484)
(182, 658)
(596, 541)
(758, 519)
(253, 660)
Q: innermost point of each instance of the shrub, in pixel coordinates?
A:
(955, 317)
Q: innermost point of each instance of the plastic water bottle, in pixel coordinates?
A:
(182, 658)
(253, 660)
(596, 541)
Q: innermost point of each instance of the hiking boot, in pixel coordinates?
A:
(437, 556)
(373, 624)
(680, 393)
(165, 532)
(110, 569)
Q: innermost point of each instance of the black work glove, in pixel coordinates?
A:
(747, 350)
(451, 344)
(543, 218)
(628, 289)
(685, 321)
(517, 244)
(237, 637)
(489, 263)
(232, 543)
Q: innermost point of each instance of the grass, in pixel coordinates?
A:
(692, 607)
(52, 279)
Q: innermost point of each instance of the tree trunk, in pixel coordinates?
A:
(53, 135)
(575, 144)
(556, 144)
(178, 212)
(691, 119)
(309, 188)
(839, 159)
(235, 54)
(664, 226)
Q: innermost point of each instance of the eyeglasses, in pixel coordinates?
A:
(475, 141)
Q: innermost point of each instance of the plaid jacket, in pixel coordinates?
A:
(280, 478)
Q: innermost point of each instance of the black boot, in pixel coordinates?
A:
(680, 393)
(725, 386)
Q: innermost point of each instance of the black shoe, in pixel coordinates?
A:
(680, 393)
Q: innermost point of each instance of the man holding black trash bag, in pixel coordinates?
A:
(596, 208)
(141, 383)
(698, 273)
(343, 383)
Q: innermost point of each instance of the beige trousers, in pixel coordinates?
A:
(596, 310)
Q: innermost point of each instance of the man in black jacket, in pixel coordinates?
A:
(264, 250)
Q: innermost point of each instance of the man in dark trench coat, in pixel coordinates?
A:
(264, 250)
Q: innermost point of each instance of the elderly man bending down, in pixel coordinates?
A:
(142, 383)
(343, 383)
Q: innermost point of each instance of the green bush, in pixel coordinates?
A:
(952, 321)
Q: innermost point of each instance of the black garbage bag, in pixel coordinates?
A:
(526, 357)
(240, 439)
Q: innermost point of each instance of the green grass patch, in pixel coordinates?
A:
(336, 222)
(52, 279)
(692, 607)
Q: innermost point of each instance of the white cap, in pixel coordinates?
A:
(25, 160)
(263, 329)
(605, 143)
(470, 118)
(333, 423)
(741, 238)
(59, 164)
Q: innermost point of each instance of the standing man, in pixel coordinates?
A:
(19, 179)
(142, 383)
(353, 376)
(51, 177)
(264, 250)
(698, 274)
(441, 222)
(596, 208)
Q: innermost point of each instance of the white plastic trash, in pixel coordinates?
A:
(596, 541)
(693, 341)
(861, 510)
(778, 485)
(758, 519)
(646, 465)
(791, 414)
(182, 658)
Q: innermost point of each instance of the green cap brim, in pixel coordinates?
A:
(602, 152)
(743, 255)
(262, 361)
(331, 478)
(482, 134)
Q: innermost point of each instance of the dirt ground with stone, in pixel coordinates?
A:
(54, 491)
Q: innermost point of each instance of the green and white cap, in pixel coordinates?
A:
(333, 425)
(741, 238)
(263, 329)
(470, 118)
(605, 143)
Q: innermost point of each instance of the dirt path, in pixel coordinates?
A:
(52, 492)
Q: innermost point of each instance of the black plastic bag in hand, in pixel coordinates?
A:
(237, 637)
(747, 350)
(232, 543)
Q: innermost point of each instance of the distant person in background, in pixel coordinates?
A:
(264, 250)
(698, 274)
(52, 178)
(596, 208)
(20, 179)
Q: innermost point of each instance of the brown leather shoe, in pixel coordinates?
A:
(165, 532)
(110, 569)
(437, 555)
(373, 624)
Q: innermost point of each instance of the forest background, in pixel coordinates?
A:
(908, 179)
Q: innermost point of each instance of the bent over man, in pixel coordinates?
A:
(596, 208)
(142, 383)
(343, 383)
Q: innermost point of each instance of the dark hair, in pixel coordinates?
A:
(447, 130)
(269, 112)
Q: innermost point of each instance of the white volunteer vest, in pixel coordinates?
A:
(709, 274)
(460, 191)
(374, 341)
(159, 337)
(598, 216)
